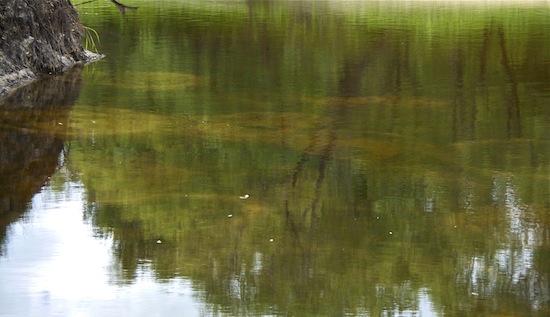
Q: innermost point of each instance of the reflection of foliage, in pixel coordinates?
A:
(376, 188)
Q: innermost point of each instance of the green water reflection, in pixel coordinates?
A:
(395, 155)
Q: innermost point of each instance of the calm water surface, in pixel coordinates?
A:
(303, 158)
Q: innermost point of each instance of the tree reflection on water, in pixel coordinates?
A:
(395, 163)
(33, 128)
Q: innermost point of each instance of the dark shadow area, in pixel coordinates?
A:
(33, 127)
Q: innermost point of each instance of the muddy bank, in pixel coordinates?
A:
(38, 37)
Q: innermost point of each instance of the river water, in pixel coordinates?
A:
(285, 158)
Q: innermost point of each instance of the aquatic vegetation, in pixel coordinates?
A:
(91, 39)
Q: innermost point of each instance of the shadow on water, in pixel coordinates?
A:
(33, 127)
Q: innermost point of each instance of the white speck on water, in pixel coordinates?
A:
(159, 241)
(244, 196)
(229, 216)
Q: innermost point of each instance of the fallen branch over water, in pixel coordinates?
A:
(121, 7)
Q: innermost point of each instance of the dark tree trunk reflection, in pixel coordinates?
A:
(33, 127)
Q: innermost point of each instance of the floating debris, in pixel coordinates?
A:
(270, 240)
(159, 241)
(229, 216)
(244, 196)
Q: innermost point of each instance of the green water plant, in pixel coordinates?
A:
(91, 39)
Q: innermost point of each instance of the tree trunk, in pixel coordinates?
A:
(38, 37)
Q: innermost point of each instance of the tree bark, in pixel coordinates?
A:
(38, 37)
